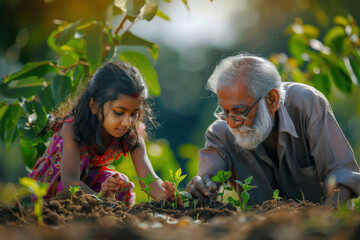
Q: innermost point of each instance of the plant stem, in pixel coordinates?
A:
(121, 25)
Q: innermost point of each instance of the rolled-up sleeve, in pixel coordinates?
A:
(330, 149)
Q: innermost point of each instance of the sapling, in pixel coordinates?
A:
(72, 191)
(147, 181)
(244, 194)
(176, 179)
(276, 195)
(222, 177)
(40, 190)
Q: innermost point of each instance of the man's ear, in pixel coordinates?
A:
(94, 106)
(273, 100)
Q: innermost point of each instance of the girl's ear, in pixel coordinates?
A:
(94, 106)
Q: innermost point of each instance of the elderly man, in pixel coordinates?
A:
(283, 134)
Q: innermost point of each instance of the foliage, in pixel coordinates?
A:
(222, 177)
(323, 62)
(28, 96)
(176, 179)
(276, 195)
(72, 191)
(244, 193)
(147, 181)
(40, 190)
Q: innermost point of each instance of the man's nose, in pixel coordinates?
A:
(233, 124)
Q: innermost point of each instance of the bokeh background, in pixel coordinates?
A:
(190, 46)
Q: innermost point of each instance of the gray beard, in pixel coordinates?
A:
(250, 137)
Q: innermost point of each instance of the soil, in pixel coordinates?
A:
(87, 217)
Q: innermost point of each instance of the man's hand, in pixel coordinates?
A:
(112, 185)
(199, 187)
(169, 192)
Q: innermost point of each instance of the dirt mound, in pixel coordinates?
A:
(87, 217)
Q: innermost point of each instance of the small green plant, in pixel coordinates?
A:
(222, 177)
(99, 195)
(147, 181)
(72, 191)
(176, 179)
(276, 195)
(234, 202)
(185, 197)
(244, 194)
(40, 190)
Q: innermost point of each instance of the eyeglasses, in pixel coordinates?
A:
(220, 114)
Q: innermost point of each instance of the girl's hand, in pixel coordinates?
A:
(169, 192)
(112, 185)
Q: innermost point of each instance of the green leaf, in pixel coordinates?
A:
(147, 71)
(334, 38)
(182, 177)
(215, 179)
(239, 182)
(227, 175)
(150, 10)
(47, 98)
(41, 114)
(341, 80)
(67, 33)
(8, 125)
(341, 20)
(245, 197)
(356, 69)
(186, 4)
(162, 15)
(186, 194)
(60, 87)
(26, 87)
(248, 180)
(178, 173)
(297, 45)
(276, 192)
(37, 69)
(311, 31)
(132, 40)
(229, 188)
(94, 46)
(172, 175)
(322, 83)
(29, 153)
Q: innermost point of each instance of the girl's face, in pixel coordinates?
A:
(120, 115)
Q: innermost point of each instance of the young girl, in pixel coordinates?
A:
(107, 122)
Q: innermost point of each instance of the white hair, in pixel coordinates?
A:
(260, 75)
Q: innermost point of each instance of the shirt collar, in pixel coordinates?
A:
(285, 122)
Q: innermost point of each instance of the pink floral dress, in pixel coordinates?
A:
(94, 170)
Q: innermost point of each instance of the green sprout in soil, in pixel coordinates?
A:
(244, 194)
(147, 181)
(40, 190)
(72, 191)
(276, 195)
(222, 177)
(185, 197)
(176, 179)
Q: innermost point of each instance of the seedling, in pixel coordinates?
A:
(72, 191)
(40, 190)
(185, 197)
(176, 179)
(147, 181)
(244, 194)
(222, 177)
(234, 202)
(276, 195)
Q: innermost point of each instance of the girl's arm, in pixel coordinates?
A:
(143, 168)
(70, 160)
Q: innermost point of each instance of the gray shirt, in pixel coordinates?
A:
(311, 147)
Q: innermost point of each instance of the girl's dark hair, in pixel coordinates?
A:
(109, 81)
